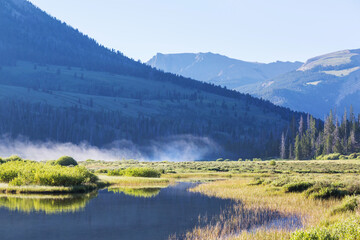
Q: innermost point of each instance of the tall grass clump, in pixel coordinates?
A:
(21, 173)
(136, 172)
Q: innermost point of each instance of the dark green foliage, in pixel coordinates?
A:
(331, 141)
(136, 172)
(66, 161)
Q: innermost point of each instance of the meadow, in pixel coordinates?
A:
(321, 195)
(320, 198)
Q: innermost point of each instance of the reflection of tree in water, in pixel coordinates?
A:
(49, 204)
(137, 192)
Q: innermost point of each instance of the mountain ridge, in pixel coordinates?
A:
(219, 69)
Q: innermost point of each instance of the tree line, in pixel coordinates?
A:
(310, 138)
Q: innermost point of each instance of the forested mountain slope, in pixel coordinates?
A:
(58, 84)
(218, 69)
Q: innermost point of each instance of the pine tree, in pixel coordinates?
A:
(297, 148)
(301, 126)
(283, 147)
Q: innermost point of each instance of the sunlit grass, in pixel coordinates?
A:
(311, 212)
(134, 181)
(136, 192)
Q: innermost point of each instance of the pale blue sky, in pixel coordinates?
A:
(252, 30)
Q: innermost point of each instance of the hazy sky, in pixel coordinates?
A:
(252, 30)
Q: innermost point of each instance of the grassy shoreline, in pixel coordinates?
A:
(314, 213)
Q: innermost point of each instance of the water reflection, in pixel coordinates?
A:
(49, 204)
(137, 192)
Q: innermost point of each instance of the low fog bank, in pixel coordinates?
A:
(176, 148)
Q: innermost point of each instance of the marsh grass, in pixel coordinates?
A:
(137, 192)
(271, 197)
(134, 181)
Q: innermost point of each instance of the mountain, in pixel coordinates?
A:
(57, 84)
(218, 69)
(330, 81)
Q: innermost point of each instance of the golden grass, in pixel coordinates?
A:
(135, 181)
(312, 212)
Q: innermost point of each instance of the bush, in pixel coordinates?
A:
(13, 158)
(342, 157)
(332, 156)
(66, 161)
(136, 172)
(19, 173)
(325, 192)
(272, 163)
(257, 159)
(349, 204)
(297, 187)
(219, 159)
(240, 159)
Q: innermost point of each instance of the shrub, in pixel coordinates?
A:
(257, 159)
(297, 187)
(349, 204)
(332, 156)
(66, 161)
(325, 192)
(272, 163)
(240, 159)
(353, 156)
(342, 157)
(136, 172)
(219, 159)
(13, 158)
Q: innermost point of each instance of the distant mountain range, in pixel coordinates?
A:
(220, 70)
(330, 81)
(60, 85)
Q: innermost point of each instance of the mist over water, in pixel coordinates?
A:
(175, 148)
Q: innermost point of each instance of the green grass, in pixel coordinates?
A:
(136, 172)
(348, 229)
(136, 192)
(233, 167)
(134, 181)
(34, 177)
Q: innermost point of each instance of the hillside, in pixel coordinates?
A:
(220, 70)
(60, 85)
(330, 81)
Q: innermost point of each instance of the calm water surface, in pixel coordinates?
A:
(152, 214)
